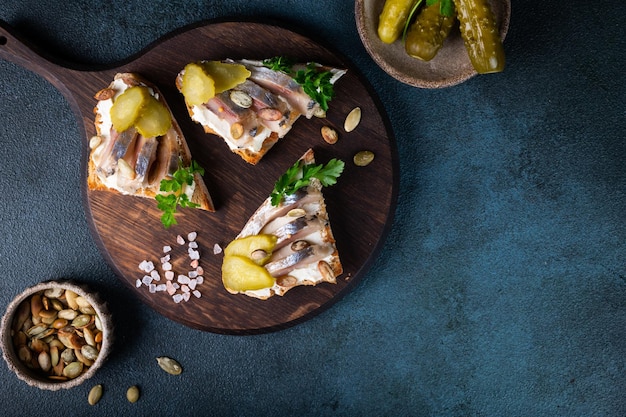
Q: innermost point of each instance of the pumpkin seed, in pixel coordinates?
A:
(23, 313)
(352, 120)
(363, 158)
(36, 329)
(70, 297)
(54, 356)
(329, 134)
(44, 361)
(95, 394)
(132, 394)
(241, 98)
(72, 370)
(89, 352)
(82, 320)
(169, 365)
(54, 292)
(35, 305)
(67, 314)
(258, 254)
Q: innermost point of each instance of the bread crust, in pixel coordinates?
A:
(200, 195)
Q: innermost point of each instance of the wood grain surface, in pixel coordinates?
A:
(127, 229)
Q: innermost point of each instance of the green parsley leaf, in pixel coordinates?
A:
(316, 84)
(299, 175)
(173, 195)
(279, 63)
(446, 7)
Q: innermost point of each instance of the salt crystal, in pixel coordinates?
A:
(166, 258)
(138, 283)
(184, 288)
(177, 298)
(147, 280)
(175, 285)
(167, 266)
(197, 294)
(192, 236)
(194, 263)
(180, 240)
(194, 254)
(170, 288)
(200, 270)
(192, 274)
(155, 275)
(167, 249)
(200, 280)
(186, 296)
(217, 249)
(152, 288)
(161, 287)
(183, 279)
(193, 245)
(169, 275)
(146, 266)
(192, 284)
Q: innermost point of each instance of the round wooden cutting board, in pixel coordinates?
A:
(127, 230)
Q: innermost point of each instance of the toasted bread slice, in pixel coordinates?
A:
(131, 164)
(304, 253)
(273, 103)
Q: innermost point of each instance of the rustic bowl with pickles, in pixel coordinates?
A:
(56, 334)
(446, 64)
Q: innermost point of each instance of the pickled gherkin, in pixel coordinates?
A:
(480, 35)
(427, 34)
(393, 18)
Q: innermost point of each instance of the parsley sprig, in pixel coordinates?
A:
(279, 63)
(314, 82)
(446, 8)
(174, 192)
(299, 175)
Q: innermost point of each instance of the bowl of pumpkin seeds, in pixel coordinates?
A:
(56, 334)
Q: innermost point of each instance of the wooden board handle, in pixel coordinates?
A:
(16, 49)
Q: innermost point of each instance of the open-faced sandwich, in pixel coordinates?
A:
(288, 241)
(253, 104)
(138, 144)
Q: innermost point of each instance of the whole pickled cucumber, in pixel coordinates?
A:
(393, 18)
(425, 37)
(480, 35)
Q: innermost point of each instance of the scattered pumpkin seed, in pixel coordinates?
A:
(363, 158)
(95, 394)
(329, 134)
(132, 394)
(169, 365)
(352, 120)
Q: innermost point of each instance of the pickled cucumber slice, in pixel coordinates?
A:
(428, 32)
(198, 87)
(225, 75)
(128, 106)
(480, 35)
(154, 119)
(240, 273)
(256, 247)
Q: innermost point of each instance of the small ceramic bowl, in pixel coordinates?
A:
(451, 65)
(67, 342)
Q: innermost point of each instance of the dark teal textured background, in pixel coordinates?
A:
(501, 290)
